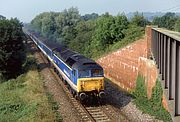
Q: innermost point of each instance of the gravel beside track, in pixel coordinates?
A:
(123, 105)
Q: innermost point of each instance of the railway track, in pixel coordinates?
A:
(98, 113)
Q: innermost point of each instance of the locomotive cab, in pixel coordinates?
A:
(90, 80)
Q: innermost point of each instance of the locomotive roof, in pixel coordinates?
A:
(74, 59)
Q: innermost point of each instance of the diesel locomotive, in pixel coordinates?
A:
(84, 76)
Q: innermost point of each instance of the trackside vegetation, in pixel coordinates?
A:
(152, 106)
(25, 99)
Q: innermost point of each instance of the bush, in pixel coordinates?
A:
(152, 106)
(30, 64)
(11, 48)
(1, 78)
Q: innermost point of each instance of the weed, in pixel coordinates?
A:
(55, 107)
(152, 106)
(30, 63)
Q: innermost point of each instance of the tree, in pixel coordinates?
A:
(139, 20)
(92, 16)
(157, 21)
(177, 25)
(109, 30)
(2, 17)
(90, 34)
(48, 25)
(121, 24)
(167, 21)
(68, 19)
(85, 30)
(11, 46)
(103, 34)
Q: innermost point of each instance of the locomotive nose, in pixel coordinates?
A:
(102, 94)
(82, 96)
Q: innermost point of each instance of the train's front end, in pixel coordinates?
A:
(90, 81)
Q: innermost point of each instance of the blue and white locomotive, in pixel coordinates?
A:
(83, 75)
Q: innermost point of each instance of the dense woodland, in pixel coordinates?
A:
(91, 34)
(169, 21)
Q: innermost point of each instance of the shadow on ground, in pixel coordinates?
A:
(115, 96)
(42, 66)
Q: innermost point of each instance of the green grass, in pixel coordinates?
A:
(54, 107)
(24, 99)
(152, 106)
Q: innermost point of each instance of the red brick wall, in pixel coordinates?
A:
(147, 68)
(122, 66)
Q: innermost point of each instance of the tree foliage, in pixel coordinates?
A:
(11, 46)
(2, 17)
(92, 16)
(177, 25)
(109, 30)
(167, 21)
(139, 20)
(90, 34)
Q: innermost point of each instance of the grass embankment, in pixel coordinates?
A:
(25, 99)
(152, 106)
